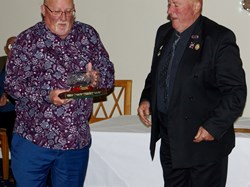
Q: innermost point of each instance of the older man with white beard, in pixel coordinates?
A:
(50, 133)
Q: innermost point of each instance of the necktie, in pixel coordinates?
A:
(166, 70)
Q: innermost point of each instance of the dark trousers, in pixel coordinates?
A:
(211, 174)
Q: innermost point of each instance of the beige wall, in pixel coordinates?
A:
(127, 29)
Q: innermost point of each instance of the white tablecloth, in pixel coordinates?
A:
(119, 156)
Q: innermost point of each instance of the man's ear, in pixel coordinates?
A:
(197, 7)
(42, 10)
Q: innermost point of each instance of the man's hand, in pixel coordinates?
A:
(203, 135)
(3, 100)
(93, 74)
(144, 112)
(56, 100)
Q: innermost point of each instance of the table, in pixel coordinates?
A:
(119, 156)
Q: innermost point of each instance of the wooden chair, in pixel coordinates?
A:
(5, 153)
(241, 130)
(118, 102)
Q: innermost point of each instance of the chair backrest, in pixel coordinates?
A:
(118, 102)
(241, 130)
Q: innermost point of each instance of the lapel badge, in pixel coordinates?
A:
(159, 52)
(197, 47)
(191, 46)
(195, 36)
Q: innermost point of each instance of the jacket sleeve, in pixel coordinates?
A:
(230, 80)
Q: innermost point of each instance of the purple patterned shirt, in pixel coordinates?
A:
(40, 62)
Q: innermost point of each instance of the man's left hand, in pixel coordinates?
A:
(203, 135)
(94, 74)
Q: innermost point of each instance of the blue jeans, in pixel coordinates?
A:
(31, 164)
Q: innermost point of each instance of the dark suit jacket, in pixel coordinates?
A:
(209, 91)
(3, 60)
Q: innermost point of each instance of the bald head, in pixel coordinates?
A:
(47, 1)
(183, 13)
(197, 1)
(59, 16)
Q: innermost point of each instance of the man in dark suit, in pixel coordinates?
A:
(194, 92)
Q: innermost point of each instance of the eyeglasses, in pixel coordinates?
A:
(58, 13)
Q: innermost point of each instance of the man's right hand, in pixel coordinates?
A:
(144, 113)
(55, 99)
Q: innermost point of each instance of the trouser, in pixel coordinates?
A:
(32, 163)
(213, 174)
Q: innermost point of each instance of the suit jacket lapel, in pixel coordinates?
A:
(161, 42)
(191, 57)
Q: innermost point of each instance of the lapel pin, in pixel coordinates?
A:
(195, 36)
(197, 47)
(191, 46)
(159, 52)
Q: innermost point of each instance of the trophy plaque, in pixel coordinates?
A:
(80, 87)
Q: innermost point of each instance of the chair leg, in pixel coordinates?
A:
(5, 157)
